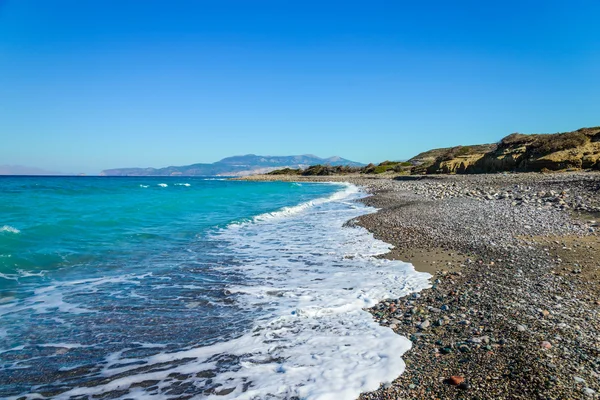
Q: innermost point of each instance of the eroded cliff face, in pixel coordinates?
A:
(519, 153)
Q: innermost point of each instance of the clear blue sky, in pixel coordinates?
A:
(88, 85)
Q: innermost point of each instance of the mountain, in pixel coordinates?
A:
(234, 166)
(22, 170)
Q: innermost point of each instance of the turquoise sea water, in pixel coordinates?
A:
(106, 223)
(189, 288)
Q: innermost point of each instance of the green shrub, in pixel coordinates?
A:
(321, 170)
(515, 139)
(464, 150)
(380, 169)
(285, 171)
(546, 144)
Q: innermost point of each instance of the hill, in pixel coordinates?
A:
(235, 166)
(518, 152)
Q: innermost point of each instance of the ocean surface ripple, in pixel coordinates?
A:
(207, 289)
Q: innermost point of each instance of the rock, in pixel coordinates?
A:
(425, 324)
(546, 345)
(521, 328)
(481, 339)
(456, 380)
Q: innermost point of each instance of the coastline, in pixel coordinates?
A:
(514, 309)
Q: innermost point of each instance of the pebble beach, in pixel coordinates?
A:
(513, 311)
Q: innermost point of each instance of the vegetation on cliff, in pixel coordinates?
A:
(424, 161)
(318, 170)
(516, 152)
(321, 170)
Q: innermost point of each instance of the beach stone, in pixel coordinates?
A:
(546, 345)
(425, 324)
(514, 289)
(482, 339)
(456, 380)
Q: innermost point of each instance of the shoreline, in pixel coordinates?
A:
(514, 311)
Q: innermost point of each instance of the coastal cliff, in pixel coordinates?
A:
(568, 151)
(517, 152)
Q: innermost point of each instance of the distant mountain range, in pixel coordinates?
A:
(23, 170)
(234, 166)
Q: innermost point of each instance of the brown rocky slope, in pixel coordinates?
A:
(574, 150)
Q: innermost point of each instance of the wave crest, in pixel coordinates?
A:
(9, 229)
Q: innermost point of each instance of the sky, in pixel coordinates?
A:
(88, 85)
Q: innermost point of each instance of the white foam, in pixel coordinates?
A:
(163, 185)
(63, 345)
(50, 299)
(9, 229)
(347, 191)
(25, 274)
(144, 186)
(312, 278)
(16, 348)
(9, 276)
(183, 184)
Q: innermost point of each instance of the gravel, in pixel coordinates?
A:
(512, 321)
(513, 312)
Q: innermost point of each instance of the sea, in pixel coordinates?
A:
(192, 288)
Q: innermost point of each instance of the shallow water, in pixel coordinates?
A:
(178, 288)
